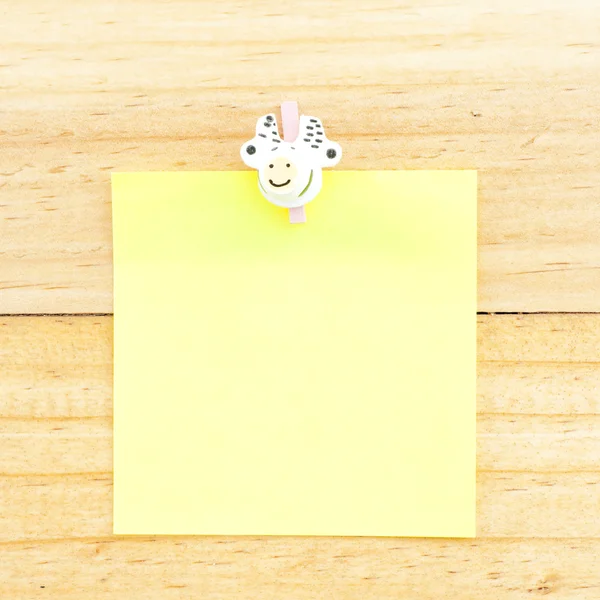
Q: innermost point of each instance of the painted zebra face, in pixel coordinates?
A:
(280, 175)
(284, 176)
(289, 174)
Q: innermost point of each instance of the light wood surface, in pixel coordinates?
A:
(538, 484)
(509, 88)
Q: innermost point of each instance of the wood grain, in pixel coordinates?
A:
(509, 89)
(512, 443)
(509, 504)
(538, 484)
(300, 569)
(61, 367)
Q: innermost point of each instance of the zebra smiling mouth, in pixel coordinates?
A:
(279, 184)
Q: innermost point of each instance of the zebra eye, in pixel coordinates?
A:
(251, 149)
(288, 165)
(270, 166)
(331, 153)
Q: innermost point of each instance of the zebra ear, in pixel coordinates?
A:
(315, 144)
(266, 128)
(253, 152)
(332, 154)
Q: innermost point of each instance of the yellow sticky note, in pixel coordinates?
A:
(277, 379)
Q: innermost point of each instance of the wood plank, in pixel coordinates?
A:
(61, 367)
(511, 91)
(64, 372)
(55, 367)
(300, 569)
(514, 443)
(524, 505)
(74, 380)
(538, 444)
(538, 469)
(569, 388)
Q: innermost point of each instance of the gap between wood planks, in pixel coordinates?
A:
(479, 313)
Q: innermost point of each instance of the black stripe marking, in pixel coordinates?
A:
(314, 146)
(262, 135)
(306, 140)
(313, 120)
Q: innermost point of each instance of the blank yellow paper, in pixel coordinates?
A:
(313, 379)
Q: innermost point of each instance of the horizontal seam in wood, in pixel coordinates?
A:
(479, 314)
(70, 419)
(554, 363)
(521, 415)
(108, 475)
(83, 314)
(516, 415)
(231, 539)
(102, 475)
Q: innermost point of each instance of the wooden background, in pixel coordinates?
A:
(510, 88)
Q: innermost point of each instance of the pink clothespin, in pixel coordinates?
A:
(290, 120)
(289, 168)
